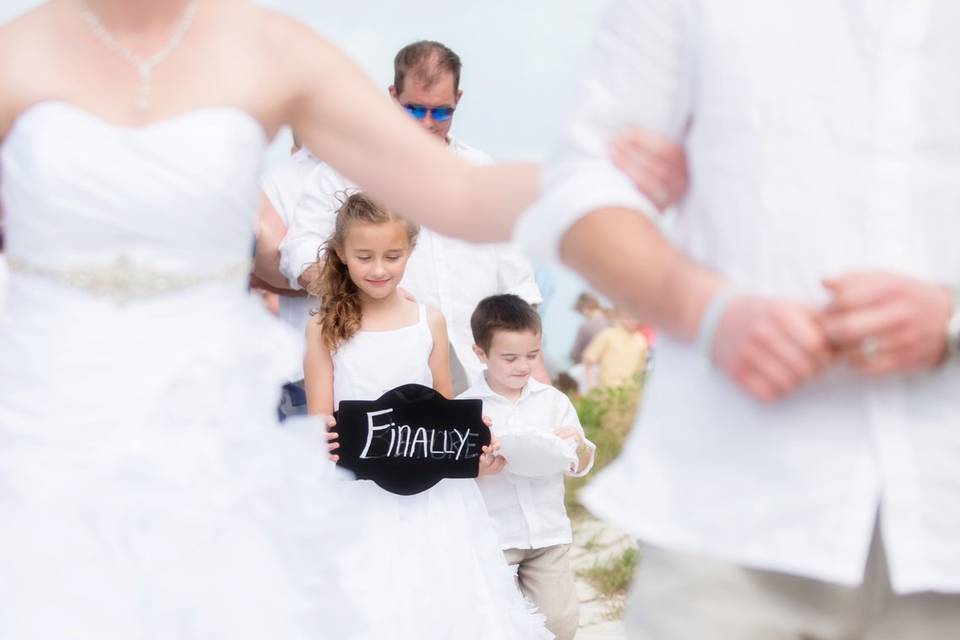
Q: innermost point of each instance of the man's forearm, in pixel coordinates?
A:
(622, 254)
(258, 283)
(270, 233)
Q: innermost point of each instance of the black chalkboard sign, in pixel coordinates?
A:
(411, 438)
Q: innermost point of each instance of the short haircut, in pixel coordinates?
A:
(586, 301)
(427, 60)
(505, 312)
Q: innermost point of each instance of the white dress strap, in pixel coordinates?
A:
(424, 324)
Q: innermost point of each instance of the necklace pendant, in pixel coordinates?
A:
(144, 67)
(143, 101)
(145, 71)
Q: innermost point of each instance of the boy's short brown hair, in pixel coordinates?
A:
(504, 312)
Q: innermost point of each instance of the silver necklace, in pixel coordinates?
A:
(144, 66)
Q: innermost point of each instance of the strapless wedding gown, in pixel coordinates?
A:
(3, 283)
(145, 488)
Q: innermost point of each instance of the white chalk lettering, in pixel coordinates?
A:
(372, 434)
(463, 441)
(390, 440)
(403, 442)
(442, 453)
(420, 438)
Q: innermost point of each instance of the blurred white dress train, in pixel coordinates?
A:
(146, 490)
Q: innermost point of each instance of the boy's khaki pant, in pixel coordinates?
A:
(677, 596)
(546, 579)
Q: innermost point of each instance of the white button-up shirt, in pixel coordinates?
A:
(528, 513)
(443, 272)
(825, 137)
(283, 186)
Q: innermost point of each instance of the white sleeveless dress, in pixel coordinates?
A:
(146, 491)
(434, 570)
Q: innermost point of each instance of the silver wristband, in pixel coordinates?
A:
(707, 330)
(953, 330)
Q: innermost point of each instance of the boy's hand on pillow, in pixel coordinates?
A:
(570, 433)
(491, 462)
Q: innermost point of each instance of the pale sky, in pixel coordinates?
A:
(520, 59)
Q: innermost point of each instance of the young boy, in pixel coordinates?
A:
(528, 513)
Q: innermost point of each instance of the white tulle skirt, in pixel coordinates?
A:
(433, 568)
(3, 283)
(147, 492)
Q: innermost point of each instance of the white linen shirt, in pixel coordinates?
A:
(442, 272)
(825, 137)
(283, 186)
(528, 513)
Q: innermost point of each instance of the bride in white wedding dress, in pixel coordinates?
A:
(3, 283)
(145, 490)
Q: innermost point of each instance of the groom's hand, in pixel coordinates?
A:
(886, 323)
(770, 347)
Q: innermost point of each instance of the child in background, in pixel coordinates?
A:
(595, 320)
(528, 512)
(431, 566)
(620, 353)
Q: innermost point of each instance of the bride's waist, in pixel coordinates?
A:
(82, 361)
(88, 296)
(46, 317)
(120, 280)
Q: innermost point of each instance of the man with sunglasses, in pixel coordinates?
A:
(426, 84)
(449, 274)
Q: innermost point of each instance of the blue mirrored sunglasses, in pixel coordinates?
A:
(438, 114)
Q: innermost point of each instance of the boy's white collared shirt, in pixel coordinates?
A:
(528, 513)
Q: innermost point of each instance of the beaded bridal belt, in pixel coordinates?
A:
(122, 280)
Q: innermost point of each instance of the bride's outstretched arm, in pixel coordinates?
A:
(351, 124)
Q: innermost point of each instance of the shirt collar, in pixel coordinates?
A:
(483, 390)
(303, 154)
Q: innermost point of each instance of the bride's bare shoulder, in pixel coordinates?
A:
(30, 24)
(24, 43)
(290, 38)
(291, 53)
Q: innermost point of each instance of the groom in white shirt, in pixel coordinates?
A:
(449, 274)
(795, 473)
